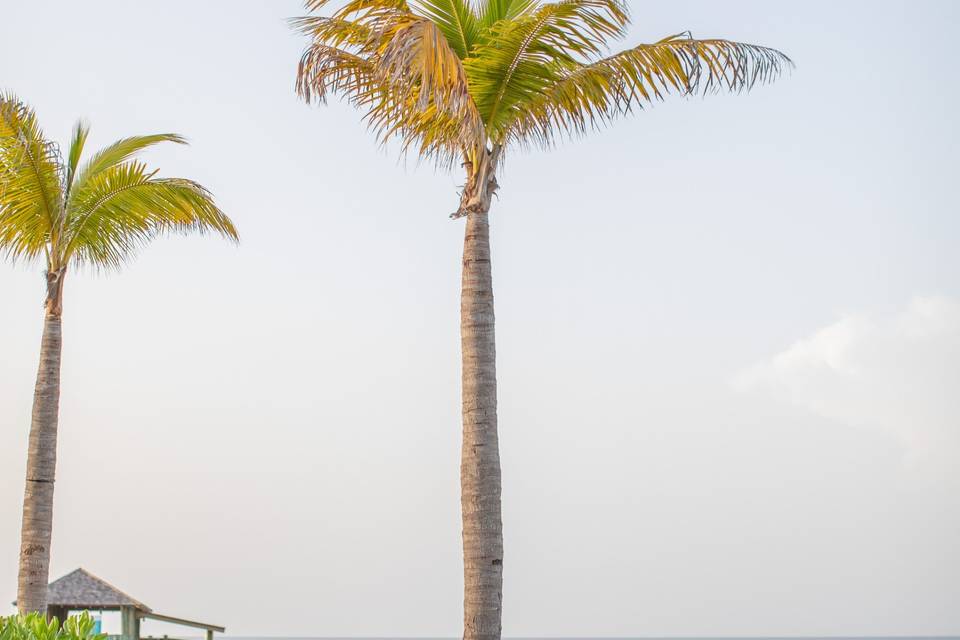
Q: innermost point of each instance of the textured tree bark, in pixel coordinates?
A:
(480, 461)
(41, 461)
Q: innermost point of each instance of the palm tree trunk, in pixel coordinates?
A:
(480, 461)
(41, 460)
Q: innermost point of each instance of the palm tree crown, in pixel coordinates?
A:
(97, 212)
(460, 81)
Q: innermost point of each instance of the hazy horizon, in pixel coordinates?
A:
(728, 342)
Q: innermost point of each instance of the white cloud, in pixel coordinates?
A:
(898, 374)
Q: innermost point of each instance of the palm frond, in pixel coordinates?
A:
(124, 207)
(403, 73)
(375, 15)
(427, 101)
(77, 141)
(493, 11)
(359, 7)
(119, 152)
(336, 32)
(592, 94)
(418, 63)
(326, 69)
(527, 55)
(455, 18)
(31, 202)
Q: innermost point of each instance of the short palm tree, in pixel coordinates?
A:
(462, 81)
(70, 213)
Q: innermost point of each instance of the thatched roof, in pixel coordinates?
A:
(83, 590)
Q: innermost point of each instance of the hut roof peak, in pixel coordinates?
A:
(80, 589)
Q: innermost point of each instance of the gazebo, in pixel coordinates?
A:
(83, 591)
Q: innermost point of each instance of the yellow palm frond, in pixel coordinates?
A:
(360, 8)
(337, 32)
(401, 70)
(418, 63)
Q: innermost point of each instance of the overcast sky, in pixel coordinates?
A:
(729, 342)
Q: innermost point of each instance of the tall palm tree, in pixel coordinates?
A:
(71, 214)
(460, 82)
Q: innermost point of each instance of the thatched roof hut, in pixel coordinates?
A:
(80, 590)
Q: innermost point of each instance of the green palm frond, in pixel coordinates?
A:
(126, 206)
(592, 94)
(30, 182)
(455, 18)
(525, 56)
(96, 213)
(77, 141)
(119, 152)
(493, 11)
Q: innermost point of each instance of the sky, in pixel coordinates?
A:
(728, 342)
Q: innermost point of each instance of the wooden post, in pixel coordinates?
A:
(129, 623)
(60, 613)
(209, 634)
